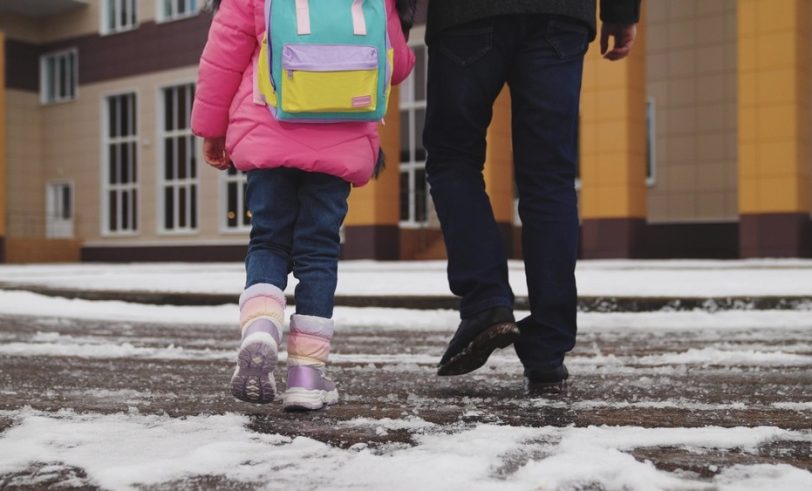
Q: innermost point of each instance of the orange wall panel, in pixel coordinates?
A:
(774, 113)
(377, 203)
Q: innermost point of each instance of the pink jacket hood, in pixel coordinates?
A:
(224, 104)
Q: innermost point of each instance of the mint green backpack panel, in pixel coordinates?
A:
(329, 59)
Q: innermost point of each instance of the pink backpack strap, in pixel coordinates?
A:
(359, 23)
(303, 17)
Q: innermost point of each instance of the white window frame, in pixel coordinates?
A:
(58, 227)
(241, 179)
(188, 182)
(73, 76)
(410, 167)
(651, 142)
(106, 187)
(192, 9)
(118, 26)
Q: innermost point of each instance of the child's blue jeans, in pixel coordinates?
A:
(295, 222)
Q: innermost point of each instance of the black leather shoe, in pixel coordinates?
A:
(548, 382)
(476, 338)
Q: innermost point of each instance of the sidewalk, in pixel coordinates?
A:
(604, 286)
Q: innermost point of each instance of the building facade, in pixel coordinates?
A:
(696, 146)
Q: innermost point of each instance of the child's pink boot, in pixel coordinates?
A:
(262, 313)
(308, 348)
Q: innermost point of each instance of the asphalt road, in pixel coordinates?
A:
(619, 378)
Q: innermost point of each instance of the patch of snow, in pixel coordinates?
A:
(682, 404)
(374, 319)
(110, 350)
(763, 476)
(716, 356)
(412, 423)
(695, 320)
(66, 346)
(125, 451)
(793, 406)
(595, 278)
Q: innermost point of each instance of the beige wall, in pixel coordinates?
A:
(77, 126)
(87, 20)
(78, 22)
(26, 190)
(691, 75)
(21, 28)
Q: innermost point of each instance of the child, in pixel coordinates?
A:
(299, 178)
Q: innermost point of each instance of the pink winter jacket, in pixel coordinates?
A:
(224, 104)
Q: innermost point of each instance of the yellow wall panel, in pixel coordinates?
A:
(773, 141)
(779, 158)
(771, 49)
(377, 203)
(499, 160)
(613, 134)
(776, 122)
(775, 15)
(2, 136)
(776, 86)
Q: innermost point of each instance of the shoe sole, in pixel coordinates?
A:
(300, 400)
(479, 350)
(253, 380)
(548, 389)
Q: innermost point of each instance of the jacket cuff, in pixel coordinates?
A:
(208, 121)
(620, 11)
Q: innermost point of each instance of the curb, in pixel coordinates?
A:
(585, 303)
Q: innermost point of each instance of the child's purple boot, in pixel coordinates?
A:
(262, 313)
(308, 349)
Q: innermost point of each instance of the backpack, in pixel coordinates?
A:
(325, 61)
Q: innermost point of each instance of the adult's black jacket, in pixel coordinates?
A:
(448, 13)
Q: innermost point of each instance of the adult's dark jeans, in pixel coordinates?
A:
(541, 60)
(295, 222)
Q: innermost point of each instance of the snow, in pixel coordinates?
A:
(412, 423)
(716, 356)
(595, 278)
(31, 304)
(63, 345)
(132, 450)
(160, 449)
(793, 406)
(758, 328)
(111, 350)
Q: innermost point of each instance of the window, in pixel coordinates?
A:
(59, 75)
(237, 216)
(651, 174)
(413, 186)
(118, 15)
(179, 156)
(120, 166)
(176, 9)
(59, 210)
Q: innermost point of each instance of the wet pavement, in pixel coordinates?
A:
(619, 378)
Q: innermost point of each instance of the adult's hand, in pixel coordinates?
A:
(215, 154)
(623, 35)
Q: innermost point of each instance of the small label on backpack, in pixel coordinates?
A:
(362, 101)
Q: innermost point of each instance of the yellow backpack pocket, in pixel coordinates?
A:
(329, 78)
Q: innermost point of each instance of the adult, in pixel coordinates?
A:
(537, 47)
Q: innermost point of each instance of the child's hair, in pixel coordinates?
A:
(406, 10)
